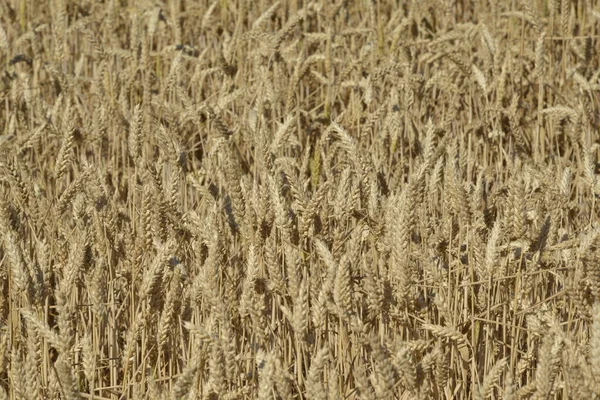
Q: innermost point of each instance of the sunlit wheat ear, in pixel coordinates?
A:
(594, 352)
(135, 133)
(490, 380)
(66, 152)
(186, 380)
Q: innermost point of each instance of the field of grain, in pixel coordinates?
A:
(238, 199)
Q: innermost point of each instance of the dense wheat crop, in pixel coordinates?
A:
(243, 199)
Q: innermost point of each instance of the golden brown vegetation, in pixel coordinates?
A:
(299, 200)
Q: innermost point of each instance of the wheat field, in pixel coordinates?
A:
(360, 199)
